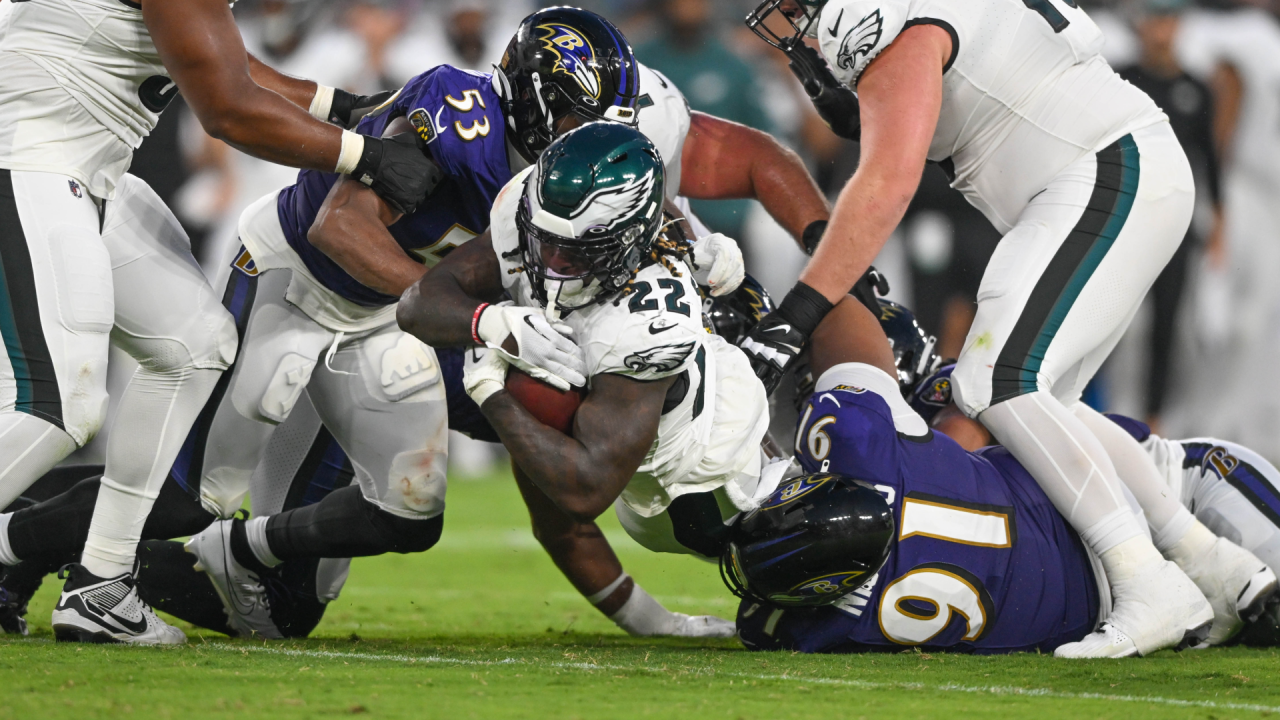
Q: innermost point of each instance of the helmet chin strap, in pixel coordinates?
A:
(554, 288)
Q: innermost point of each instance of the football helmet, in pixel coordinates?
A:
(732, 316)
(564, 61)
(801, 15)
(913, 353)
(816, 539)
(591, 211)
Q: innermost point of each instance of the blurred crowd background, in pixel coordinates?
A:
(1198, 358)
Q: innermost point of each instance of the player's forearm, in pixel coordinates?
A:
(296, 90)
(868, 209)
(722, 159)
(363, 247)
(580, 484)
(439, 308)
(269, 127)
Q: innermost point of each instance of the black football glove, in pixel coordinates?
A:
(399, 169)
(872, 284)
(348, 108)
(773, 344)
(836, 104)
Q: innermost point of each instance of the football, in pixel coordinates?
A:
(552, 407)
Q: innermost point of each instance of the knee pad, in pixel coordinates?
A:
(208, 342)
(971, 387)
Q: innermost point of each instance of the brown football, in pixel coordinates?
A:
(552, 407)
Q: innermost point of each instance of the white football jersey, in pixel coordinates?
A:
(653, 333)
(664, 119)
(1248, 40)
(1024, 94)
(81, 85)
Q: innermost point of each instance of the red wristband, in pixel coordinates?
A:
(475, 323)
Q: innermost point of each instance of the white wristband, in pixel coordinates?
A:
(322, 103)
(352, 150)
(604, 594)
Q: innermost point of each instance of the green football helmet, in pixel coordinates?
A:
(591, 210)
(802, 15)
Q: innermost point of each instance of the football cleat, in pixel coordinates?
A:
(1159, 607)
(1236, 583)
(13, 611)
(243, 596)
(107, 610)
(702, 626)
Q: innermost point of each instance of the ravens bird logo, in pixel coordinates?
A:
(574, 56)
(663, 358)
(860, 40)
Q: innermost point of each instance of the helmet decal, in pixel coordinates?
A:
(609, 206)
(794, 490)
(833, 583)
(574, 56)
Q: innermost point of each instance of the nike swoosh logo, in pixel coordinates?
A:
(664, 328)
(133, 627)
(783, 327)
(834, 29)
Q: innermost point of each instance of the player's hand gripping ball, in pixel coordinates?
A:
(552, 407)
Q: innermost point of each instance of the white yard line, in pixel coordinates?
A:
(709, 672)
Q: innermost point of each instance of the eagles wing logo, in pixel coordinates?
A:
(663, 358)
(608, 207)
(861, 40)
(574, 56)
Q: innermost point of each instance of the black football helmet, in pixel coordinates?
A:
(912, 347)
(563, 61)
(816, 539)
(732, 316)
(802, 17)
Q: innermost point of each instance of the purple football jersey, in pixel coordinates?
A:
(980, 562)
(458, 115)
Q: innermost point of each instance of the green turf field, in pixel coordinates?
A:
(484, 626)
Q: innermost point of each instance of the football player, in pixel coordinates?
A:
(82, 82)
(978, 558)
(724, 159)
(669, 430)
(1085, 177)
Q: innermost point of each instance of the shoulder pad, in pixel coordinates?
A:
(851, 33)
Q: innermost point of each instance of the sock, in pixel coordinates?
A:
(255, 530)
(242, 550)
(29, 448)
(1123, 561)
(6, 551)
(155, 414)
(644, 616)
(1194, 540)
(1110, 531)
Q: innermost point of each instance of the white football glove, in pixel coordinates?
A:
(545, 351)
(718, 264)
(484, 372)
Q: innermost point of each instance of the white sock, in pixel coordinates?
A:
(1123, 561)
(644, 616)
(1194, 540)
(255, 530)
(1070, 465)
(156, 412)
(29, 448)
(6, 551)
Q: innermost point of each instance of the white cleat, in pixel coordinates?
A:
(243, 597)
(1159, 607)
(1236, 583)
(108, 610)
(703, 626)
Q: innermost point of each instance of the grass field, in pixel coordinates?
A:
(483, 626)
